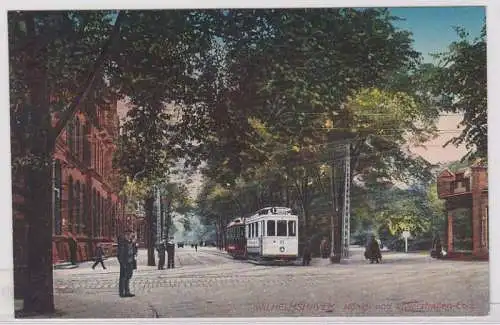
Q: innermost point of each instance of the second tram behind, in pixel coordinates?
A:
(235, 238)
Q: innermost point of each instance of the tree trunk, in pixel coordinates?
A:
(150, 224)
(38, 293)
(162, 220)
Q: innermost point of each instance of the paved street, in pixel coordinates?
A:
(209, 284)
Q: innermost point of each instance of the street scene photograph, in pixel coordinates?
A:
(212, 163)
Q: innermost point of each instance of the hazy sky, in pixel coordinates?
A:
(432, 29)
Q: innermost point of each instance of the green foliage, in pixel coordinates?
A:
(461, 84)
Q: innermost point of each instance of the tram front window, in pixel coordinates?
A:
(281, 231)
(291, 228)
(271, 228)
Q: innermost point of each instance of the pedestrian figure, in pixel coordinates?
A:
(161, 255)
(437, 247)
(323, 248)
(126, 260)
(135, 248)
(306, 254)
(373, 250)
(72, 250)
(195, 247)
(99, 256)
(171, 254)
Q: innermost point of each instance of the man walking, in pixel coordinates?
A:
(171, 253)
(195, 247)
(126, 260)
(99, 256)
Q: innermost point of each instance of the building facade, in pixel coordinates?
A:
(87, 208)
(466, 195)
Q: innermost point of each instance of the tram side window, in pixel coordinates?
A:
(257, 229)
(291, 228)
(271, 225)
(252, 230)
(248, 231)
(281, 228)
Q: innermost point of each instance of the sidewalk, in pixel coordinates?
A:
(88, 306)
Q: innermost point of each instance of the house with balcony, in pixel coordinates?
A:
(466, 199)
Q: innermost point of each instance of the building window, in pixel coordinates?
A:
(281, 228)
(70, 137)
(98, 227)
(94, 156)
(94, 213)
(57, 197)
(77, 207)
(271, 228)
(484, 228)
(86, 145)
(76, 142)
(70, 203)
(86, 221)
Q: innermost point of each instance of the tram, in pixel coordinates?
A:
(235, 238)
(272, 235)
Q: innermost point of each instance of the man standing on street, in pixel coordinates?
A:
(171, 253)
(126, 260)
(161, 255)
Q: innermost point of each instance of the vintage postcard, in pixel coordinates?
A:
(249, 162)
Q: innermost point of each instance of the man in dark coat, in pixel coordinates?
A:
(126, 260)
(161, 255)
(99, 256)
(171, 254)
(373, 251)
(306, 254)
(72, 250)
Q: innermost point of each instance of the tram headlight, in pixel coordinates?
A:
(282, 249)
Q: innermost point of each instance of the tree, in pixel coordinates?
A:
(46, 61)
(62, 62)
(460, 83)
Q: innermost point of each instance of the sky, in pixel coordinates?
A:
(432, 29)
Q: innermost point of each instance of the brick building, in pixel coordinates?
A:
(466, 196)
(87, 207)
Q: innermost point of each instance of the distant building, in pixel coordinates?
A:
(466, 196)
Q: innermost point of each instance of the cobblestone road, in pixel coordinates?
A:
(208, 284)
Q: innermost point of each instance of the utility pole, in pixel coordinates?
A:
(334, 208)
(346, 207)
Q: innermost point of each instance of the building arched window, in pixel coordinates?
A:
(76, 141)
(71, 220)
(99, 211)
(94, 213)
(86, 145)
(85, 210)
(77, 207)
(70, 137)
(57, 197)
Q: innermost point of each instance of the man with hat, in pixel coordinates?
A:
(171, 253)
(126, 259)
